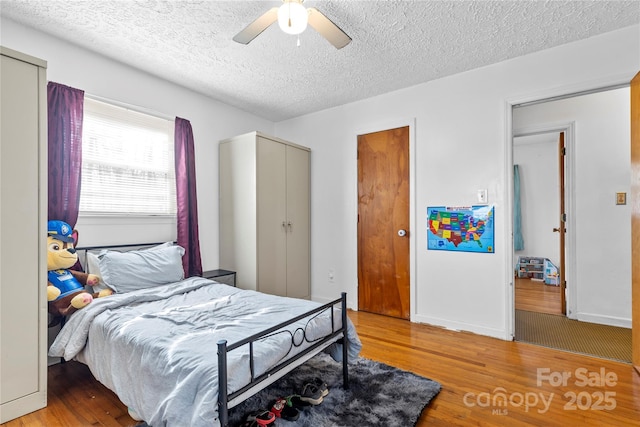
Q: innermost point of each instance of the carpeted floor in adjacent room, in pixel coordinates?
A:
(559, 332)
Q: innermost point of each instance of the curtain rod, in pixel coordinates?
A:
(130, 107)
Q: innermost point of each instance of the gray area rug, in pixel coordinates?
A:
(378, 395)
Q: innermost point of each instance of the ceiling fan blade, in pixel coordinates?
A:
(254, 29)
(328, 29)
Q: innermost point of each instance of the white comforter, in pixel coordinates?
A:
(156, 348)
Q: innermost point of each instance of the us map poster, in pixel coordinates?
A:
(461, 229)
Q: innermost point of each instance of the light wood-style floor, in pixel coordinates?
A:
(535, 296)
(472, 369)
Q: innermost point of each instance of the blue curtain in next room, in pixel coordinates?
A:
(518, 240)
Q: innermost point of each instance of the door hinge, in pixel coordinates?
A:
(564, 151)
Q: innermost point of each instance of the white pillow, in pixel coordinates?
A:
(133, 270)
(93, 265)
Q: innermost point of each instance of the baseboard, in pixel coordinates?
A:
(23, 405)
(604, 320)
(323, 300)
(447, 324)
(461, 326)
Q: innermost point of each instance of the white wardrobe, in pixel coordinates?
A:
(23, 232)
(265, 214)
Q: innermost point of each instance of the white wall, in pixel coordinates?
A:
(211, 121)
(458, 117)
(601, 155)
(455, 117)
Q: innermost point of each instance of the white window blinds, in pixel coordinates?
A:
(127, 162)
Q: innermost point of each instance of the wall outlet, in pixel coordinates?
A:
(332, 275)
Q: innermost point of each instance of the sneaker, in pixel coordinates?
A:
(283, 409)
(296, 401)
(261, 418)
(321, 385)
(311, 393)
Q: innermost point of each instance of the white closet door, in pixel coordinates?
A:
(272, 217)
(298, 236)
(22, 303)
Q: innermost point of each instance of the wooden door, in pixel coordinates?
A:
(635, 219)
(562, 220)
(383, 217)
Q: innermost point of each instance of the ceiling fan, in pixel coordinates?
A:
(293, 18)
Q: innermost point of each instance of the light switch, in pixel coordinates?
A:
(482, 196)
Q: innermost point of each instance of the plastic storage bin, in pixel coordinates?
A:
(551, 273)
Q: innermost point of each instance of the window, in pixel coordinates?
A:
(127, 162)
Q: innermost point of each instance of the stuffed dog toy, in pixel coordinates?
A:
(66, 288)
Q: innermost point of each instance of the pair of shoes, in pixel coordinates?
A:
(312, 393)
(321, 385)
(259, 418)
(282, 408)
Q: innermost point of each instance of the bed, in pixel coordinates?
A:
(183, 352)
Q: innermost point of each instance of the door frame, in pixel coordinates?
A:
(581, 88)
(570, 202)
(378, 126)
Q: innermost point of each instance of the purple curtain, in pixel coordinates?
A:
(186, 198)
(65, 111)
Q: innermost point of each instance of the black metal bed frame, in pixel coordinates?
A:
(224, 397)
(223, 393)
(113, 247)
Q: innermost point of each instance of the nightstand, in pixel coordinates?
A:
(223, 276)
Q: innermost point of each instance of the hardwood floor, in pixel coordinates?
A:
(472, 369)
(76, 399)
(536, 296)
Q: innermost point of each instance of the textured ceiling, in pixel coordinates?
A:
(395, 44)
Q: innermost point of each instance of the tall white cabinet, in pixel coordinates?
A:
(265, 214)
(23, 232)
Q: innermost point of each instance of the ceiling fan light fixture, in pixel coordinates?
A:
(292, 17)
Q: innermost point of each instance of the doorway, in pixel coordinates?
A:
(540, 214)
(598, 279)
(383, 222)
